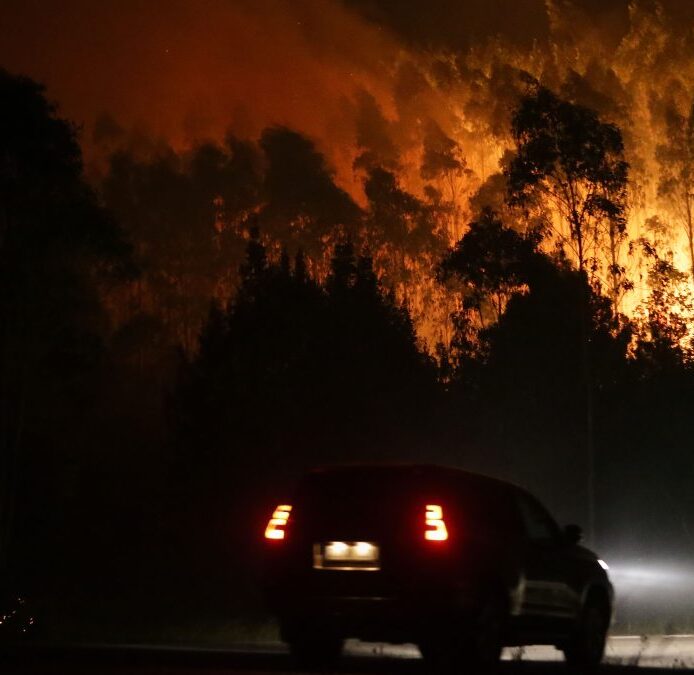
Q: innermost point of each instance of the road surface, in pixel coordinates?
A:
(655, 655)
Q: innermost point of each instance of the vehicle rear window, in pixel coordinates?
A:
(389, 493)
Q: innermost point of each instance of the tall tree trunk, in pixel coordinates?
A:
(15, 375)
(690, 234)
(578, 236)
(614, 270)
(587, 368)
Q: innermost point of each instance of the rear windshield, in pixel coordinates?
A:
(375, 492)
(362, 483)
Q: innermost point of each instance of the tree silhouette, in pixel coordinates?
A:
(323, 363)
(186, 216)
(516, 380)
(254, 269)
(663, 322)
(404, 234)
(303, 207)
(676, 183)
(444, 164)
(566, 155)
(375, 140)
(56, 245)
(493, 261)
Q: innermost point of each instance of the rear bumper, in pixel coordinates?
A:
(389, 618)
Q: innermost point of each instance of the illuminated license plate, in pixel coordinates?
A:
(347, 555)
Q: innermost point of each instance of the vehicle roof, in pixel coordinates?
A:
(422, 471)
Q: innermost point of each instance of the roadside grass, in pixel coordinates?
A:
(194, 631)
(653, 625)
(216, 620)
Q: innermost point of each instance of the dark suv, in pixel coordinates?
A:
(458, 563)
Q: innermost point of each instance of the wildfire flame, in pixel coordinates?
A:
(360, 90)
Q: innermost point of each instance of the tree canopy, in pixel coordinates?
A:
(567, 155)
(58, 246)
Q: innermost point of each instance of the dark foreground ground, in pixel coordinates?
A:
(138, 661)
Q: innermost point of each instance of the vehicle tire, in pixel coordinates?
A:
(471, 646)
(444, 652)
(587, 646)
(487, 639)
(315, 651)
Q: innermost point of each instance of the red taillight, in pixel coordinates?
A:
(436, 526)
(276, 524)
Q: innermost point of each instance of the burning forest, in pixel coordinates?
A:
(267, 233)
(397, 146)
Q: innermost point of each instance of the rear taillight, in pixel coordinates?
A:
(276, 524)
(435, 524)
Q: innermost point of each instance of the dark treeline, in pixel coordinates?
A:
(174, 350)
(189, 214)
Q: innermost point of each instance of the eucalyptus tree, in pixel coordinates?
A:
(58, 249)
(676, 182)
(566, 157)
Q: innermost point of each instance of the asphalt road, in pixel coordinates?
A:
(654, 655)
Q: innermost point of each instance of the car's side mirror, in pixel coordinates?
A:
(573, 534)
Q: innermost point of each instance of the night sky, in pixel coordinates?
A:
(191, 69)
